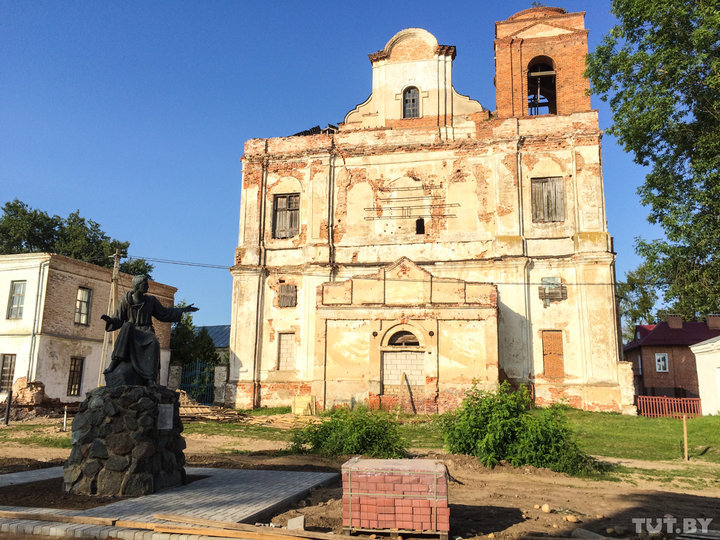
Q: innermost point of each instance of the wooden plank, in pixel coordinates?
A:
(57, 518)
(229, 525)
(261, 533)
(127, 524)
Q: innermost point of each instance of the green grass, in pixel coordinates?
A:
(266, 411)
(11, 434)
(237, 430)
(424, 434)
(639, 437)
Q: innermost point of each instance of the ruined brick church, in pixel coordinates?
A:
(427, 242)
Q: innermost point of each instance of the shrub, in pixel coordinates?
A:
(352, 431)
(499, 425)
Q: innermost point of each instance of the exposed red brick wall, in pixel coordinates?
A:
(409, 495)
(567, 51)
(553, 362)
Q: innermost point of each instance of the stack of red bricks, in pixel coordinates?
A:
(402, 494)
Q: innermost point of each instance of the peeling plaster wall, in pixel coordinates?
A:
(363, 190)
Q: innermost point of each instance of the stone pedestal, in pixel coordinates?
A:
(126, 441)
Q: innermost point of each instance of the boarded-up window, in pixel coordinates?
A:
(288, 296)
(286, 351)
(75, 376)
(7, 371)
(286, 215)
(82, 307)
(553, 363)
(548, 201)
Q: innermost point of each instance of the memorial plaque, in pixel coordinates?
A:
(165, 416)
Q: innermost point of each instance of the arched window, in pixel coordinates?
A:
(541, 86)
(404, 339)
(411, 107)
(419, 226)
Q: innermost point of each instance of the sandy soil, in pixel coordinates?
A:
(502, 502)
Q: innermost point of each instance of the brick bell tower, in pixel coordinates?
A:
(540, 63)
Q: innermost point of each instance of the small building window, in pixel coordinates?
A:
(286, 215)
(75, 376)
(661, 362)
(552, 289)
(7, 372)
(541, 86)
(16, 300)
(548, 199)
(411, 105)
(286, 351)
(82, 306)
(288, 296)
(639, 364)
(404, 339)
(420, 226)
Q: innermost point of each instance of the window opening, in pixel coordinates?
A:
(404, 339)
(75, 376)
(82, 306)
(548, 199)
(553, 357)
(420, 226)
(541, 87)
(7, 371)
(286, 351)
(288, 296)
(16, 300)
(286, 215)
(661, 362)
(411, 108)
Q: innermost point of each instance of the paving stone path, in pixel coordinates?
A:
(225, 495)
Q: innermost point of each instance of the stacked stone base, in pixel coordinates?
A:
(126, 442)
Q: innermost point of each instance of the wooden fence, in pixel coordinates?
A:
(656, 406)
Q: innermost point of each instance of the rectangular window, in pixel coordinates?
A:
(75, 376)
(16, 300)
(553, 360)
(639, 364)
(661, 362)
(288, 296)
(286, 215)
(286, 351)
(82, 306)
(7, 372)
(548, 201)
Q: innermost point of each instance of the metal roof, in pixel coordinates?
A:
(220, 334)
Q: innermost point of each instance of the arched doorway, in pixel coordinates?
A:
(402, 354)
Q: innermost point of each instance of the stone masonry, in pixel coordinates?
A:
(126, 442)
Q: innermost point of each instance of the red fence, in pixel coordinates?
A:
(655, 406)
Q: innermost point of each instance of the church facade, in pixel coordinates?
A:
(426, 243)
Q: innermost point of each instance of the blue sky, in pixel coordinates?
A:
(136, 112)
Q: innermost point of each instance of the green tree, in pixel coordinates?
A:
(659, 69)
(27, 230)
(189, 344)
(638, 296)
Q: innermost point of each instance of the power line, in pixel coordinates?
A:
(181, 263)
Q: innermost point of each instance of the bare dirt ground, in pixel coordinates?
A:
(503, 502)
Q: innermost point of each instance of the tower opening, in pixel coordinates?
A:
(541, 86)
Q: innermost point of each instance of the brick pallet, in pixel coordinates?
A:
(396, 496)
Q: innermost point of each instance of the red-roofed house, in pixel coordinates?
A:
(663, 364)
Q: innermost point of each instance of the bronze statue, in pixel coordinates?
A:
(136, 356)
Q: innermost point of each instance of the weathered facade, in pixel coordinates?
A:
(51, 331)
(426, 242)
